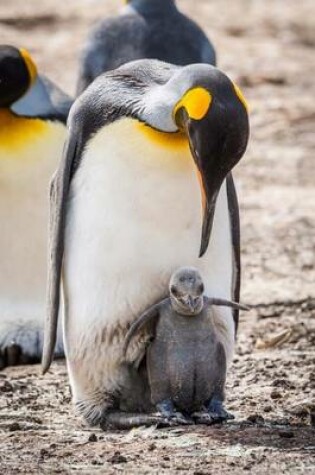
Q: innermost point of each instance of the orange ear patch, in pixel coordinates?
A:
(31, 67)
(240, 96)
(196, 101)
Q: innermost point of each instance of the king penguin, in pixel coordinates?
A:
(144, 29)
(143, 184)
(33, 113)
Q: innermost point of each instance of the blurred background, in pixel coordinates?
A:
(267, 47)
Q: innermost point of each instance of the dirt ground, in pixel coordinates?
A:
(267, 46)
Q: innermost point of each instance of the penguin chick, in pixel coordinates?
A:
(186, 361)
(144, 29)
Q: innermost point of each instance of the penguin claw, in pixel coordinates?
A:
(203, 418)
(167, 410)
(217, 412)
(179, 419)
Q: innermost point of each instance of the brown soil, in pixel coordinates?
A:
(268, 48)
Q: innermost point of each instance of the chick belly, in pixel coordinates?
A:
(190, 379)
(25, 173)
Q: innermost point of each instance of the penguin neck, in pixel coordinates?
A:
(147, 6)
(6, 116)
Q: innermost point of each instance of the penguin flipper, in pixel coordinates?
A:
(226, 303)
(58, 196)
(148, 316)
(236, 243)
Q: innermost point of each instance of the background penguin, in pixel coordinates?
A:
(126, 210)
(185, 359)
(33, 113)
(144, 29)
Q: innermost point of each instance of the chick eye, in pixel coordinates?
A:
(201, 288)
(174, 291)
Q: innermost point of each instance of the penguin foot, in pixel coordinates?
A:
(202, 417)
(217, 412)
(23, 344)
(167, 409)
(126, 420)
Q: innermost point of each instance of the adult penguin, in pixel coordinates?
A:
(144, 140)
(144, 29)
(33, 113)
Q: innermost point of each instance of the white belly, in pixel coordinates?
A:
(25, 172)
(134, 216)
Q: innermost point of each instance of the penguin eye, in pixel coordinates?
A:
(174, 291)
(201, 288)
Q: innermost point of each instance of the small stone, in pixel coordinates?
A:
(6, 387)
(117, 458)
(286, 434)
(275, 395)
(152, 447)
(166, 457)
(43, 453)
(256, 419)
(92, 438)
(14, 426)
(267, 408)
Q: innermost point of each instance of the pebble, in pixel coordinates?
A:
(286, 434)
(275, 395)
(14, 426)
(117, 458)
(256, 419)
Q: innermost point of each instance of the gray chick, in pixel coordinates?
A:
(186, 362)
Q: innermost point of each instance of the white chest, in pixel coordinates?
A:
(134, 216)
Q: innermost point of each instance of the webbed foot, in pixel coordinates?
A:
(202, 417)
(217, 412)
(127, 420)
(167, 409)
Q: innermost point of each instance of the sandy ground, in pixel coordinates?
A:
(268, 48)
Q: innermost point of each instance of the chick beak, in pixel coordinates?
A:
(190, 303)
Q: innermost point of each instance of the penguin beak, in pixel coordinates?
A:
(210, 175)
(218, 136)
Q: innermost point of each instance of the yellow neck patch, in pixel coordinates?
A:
(196, 101)
(167, 140)
(18, 132)
(240, 95)
(31, 67)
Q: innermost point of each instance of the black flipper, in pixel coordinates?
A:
(236, 243)
(58, 198)
(145, 318)
(226, 303)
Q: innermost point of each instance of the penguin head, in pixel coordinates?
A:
(201, 102)
(197, 104)
(17, 74)
(186, 291)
